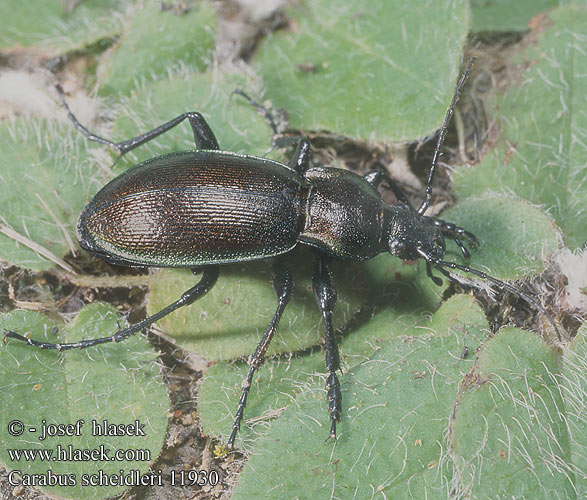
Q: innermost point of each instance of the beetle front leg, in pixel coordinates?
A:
(282, 285)
(376, 177)
(203, 135)
(455, 233)
(208, 280)
(325, 294)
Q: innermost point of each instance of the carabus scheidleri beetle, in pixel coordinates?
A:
(206, 208)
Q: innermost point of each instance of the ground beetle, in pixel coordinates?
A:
(205, 208)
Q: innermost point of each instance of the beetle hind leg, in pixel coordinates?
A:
(203, 135)
(282, 285)
(208, 280)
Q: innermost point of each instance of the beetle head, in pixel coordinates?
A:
(409, 235)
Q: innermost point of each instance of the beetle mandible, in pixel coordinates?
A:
(206, 208)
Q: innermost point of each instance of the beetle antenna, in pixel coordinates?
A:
(441, 137)
(438, 264)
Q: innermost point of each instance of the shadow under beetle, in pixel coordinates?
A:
(205, 208)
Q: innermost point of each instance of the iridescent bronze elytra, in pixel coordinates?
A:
(205, 208)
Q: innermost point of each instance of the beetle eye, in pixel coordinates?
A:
(396, 247)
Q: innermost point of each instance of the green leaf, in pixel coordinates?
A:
(505, 15)
(509, 436)
(275, 385)
(391, 439)
(229, 321)
(47, 177)
(539, 155)
(516, 238)
(366, 69)
(117, 383)
(400, 295)
(48, 26)
(574, 392)
(154, 43)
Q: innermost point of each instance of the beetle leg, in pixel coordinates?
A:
(376, 177)
(260, 108)
(454, 232)
(282, 285)
(203, 135)
(462, 247)
(325, 294)
(300, 161)
(208, 280)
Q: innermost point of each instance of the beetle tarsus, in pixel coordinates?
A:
(454, 232)
(334, 400)
(260, 108)
(332, 434)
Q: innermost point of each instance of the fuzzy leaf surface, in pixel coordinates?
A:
(119, 383)
(48, 26)
(47, 177)
(397, 407)
(341, 67)
(503, 15)
(516, 238)
(508, 436)
(541, 153)
(154, 42)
